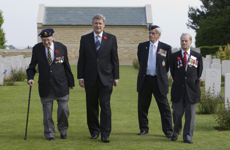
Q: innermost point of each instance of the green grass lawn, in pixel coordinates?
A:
(13, 110)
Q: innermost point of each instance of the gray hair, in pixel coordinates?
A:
(158, 30)
(99, 16)
(190, 37)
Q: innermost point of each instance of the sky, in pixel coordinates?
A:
(20, 17)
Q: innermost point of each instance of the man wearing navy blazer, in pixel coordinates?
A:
(98, 71)
(186, 68)
(55, 80)
(153, 57)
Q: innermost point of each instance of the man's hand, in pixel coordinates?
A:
(115, 82)
(30, 82)
(71, 88)
(82, 83)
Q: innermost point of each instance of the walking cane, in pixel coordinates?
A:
(27, 114)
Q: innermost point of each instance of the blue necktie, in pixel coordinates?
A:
(98, 43)
(152, 60)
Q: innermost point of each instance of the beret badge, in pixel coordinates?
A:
(45, 34)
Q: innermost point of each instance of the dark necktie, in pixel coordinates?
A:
(49, 57)
(185, 59)
(98, 43)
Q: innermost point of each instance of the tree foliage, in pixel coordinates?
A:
(2, 34)
(209, 8)
(214, 30)
(224, 54)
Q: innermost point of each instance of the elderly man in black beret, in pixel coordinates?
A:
(55, 80)
(153, 57)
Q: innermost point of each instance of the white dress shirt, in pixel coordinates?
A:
(95, 37)
(51, 51)
(151, 67)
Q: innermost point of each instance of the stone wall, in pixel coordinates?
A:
(128, 38)
(15, 52)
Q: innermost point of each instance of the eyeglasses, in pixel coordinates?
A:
(153, 33)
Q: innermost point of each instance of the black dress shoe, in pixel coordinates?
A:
(105, 139)
(142, 132)
(94, 136)
(174, 137)
(50, 139)
(63, 135)
(188, 141)
(169, 135)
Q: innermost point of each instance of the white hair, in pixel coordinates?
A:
(190, 37)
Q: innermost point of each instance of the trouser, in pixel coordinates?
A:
(62, 114)
(178, 110)
(95, 95)
(149, 87)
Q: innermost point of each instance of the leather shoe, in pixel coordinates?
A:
(105, 139)
(188, 141)
(174, 137)
(94, 136)
(50, 139)
(63, 135)
(142, 132)
(169, 135)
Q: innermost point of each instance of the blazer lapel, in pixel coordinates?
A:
(147, 52)
(157, 56)
(44, 56)
(182, 68)
(103, 42)
(92, 42)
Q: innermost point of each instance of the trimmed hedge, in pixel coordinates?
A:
(209, 50)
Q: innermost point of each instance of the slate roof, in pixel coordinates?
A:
(84, 15)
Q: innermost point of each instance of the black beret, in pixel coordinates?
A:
(46, 33)
(151, 27)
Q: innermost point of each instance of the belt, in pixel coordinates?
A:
(149, 76)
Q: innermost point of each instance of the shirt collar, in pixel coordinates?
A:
(95, 35)
(51, 46)
(188, 52)
(156, 43)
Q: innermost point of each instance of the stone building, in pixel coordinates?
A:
(129, 24)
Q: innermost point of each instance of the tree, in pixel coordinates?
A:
(2, 34)
(214, 30)
(11, 46)
(209, 8)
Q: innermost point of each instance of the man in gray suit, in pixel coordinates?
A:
(186, 67)
(55, 80)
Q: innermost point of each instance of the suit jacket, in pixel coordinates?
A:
(162, 65)
(105, 64)
(182, 79)
(58, 74)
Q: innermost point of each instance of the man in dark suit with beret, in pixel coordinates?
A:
(98, 71)
(55, 80)
(153, 57)
(186, 68)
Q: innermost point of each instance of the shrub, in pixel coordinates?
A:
(222, 78)
(18, 75)
(209, 50)
(136, 64)
(201, 82)
(8, 82)
(224, 54)
(209, 102)
(223, 116)
(170, 80)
